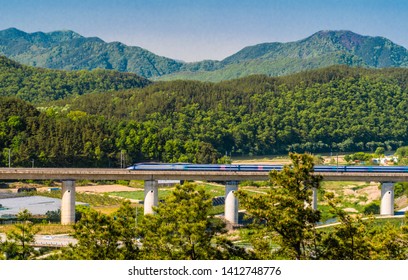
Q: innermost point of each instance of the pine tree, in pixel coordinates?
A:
(284, 214)
(181, 229)
(18, 245)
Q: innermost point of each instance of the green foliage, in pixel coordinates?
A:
(18, 245)
(357, 239)
(285, 227)
(400, 189)
(372, 208)
(224, 160)
(181, 229)
(348, 241)
(259, 115)
(379, 151)
(402, 154)
(91, 199)
(54, 50)
(282, 210)
(54, 216)
(41, 85)
(359, 156)
(390, 242)
(103, 237)
(322, 49)
(327, 110)
(254, 183)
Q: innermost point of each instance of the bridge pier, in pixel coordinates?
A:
(151, 195)
(68, 202)
(387, 199)
(313, 203)
(231, 202)
(314, 199)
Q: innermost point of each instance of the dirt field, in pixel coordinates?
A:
(94, 189)
(372, 192)
(104, 189)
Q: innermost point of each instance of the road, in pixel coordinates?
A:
(60, 240)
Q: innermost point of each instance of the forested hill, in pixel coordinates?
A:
(71, 51)
(40, 85)
(331, 109)
(322, 49)
(68, 50)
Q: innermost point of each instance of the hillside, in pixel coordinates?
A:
(41, 85)
(68, 50)
(71, 51)
(335, 109)
(322, 49)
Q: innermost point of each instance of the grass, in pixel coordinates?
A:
(336, 185)
(91, 199)
(394, 221)
(107, 210)
(213, 189)
(217, 210)
(360, 185)
(131, 183)
(139, 195)
(45, 229)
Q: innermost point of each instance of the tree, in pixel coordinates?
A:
(379, 151)
(349, 240)
(105, 237)
(206, 153)
(18, 245)
(358, 239)
(285, 213)
(390, 242)
(125, 221)
(181, 229)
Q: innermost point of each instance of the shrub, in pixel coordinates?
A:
(372, 208)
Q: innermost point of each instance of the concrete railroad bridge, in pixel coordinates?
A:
(151, 177)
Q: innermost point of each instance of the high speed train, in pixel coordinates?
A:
(260, 168)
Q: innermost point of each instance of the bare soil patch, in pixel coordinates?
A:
(97, 189)
(401, 202)
(372, 192)
(350, 210)
(104, 189)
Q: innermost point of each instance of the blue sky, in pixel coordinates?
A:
(207, 29)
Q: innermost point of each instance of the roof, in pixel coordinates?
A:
(37, 205)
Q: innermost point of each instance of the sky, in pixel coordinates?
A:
(206, 29)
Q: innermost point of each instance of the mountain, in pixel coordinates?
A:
(68, 50)
(40, 85)
(71, 51)
(322, 49)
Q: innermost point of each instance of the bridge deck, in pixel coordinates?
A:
(124, 174)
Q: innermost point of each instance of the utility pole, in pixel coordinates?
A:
(337, 161)
(9, 157)
(121, 159)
